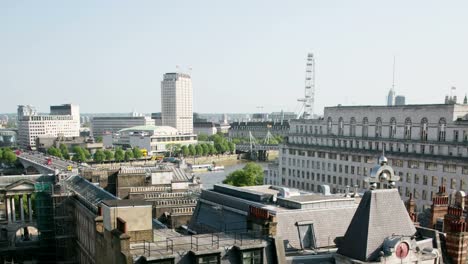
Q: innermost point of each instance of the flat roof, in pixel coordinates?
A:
(126, 202)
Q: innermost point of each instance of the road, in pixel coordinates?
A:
(40, 158)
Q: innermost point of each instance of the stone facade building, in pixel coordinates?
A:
(427, 145)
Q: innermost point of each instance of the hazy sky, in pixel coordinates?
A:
(109, 56)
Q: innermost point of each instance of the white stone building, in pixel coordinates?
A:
(64, 120)
(427, 145)
(101, 125)
(152, 138)
(177, 102)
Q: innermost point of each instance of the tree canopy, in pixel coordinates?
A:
(7, 156)
(137, 153)
(99, 156)
(53, 151)
(119, 154)
(109, 154)
(128, 155)
(251, 174)
(80, 154)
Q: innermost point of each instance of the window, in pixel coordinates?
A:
(408, 125)
(252, 257)
(416, 179)
(453, 184)
(329, 126)
(442, 127)
(431, 166)
(208, 259)
(340, 126)
(397, 163)
(425, 179)
(306, 235)
(413, 164)
(435, 181)
(392, 132)
(455, 135)
(465, 170)
(365, 127)
(408, 177)
(163, 261)
(450, 168)
(424, 127)
(352, 127)
(378, 128)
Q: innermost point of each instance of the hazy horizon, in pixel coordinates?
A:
(109, 56)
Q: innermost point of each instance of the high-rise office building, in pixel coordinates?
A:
(176, 102)
(400, 100)
(64, 120)
(391, 97)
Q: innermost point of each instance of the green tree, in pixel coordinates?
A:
(251, 174)
(185, 151)
(109, 154)
(128, 155)
(192, 150)
(212, 150)
(64, 151)
(8, 156)
(1, 154)
(99, 156)
(53, 151)
(232, 147)
(99, 139)
(86, 153)
(198, 150)
(119, 155)
(79, 154)
(137, 153)
(206, 149)
(203, 137)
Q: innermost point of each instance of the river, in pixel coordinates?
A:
(208, 179)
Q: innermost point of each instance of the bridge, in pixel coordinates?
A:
(256, 150)
(254, 147)
(37, 160)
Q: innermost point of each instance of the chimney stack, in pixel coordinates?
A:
(439, 207)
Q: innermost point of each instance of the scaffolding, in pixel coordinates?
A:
(44, 213)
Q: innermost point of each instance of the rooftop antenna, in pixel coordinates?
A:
(393, 77)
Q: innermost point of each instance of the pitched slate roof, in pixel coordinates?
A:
(380, 214)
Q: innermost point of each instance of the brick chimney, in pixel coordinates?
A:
(411, 208)
(439, 207)
(455, 227)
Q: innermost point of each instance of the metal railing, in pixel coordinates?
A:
(208, 241)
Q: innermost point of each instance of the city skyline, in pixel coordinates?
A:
(97, 55)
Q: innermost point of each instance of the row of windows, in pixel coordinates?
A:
(423, 134)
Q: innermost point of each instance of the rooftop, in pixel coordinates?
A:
(156, 130)
(88, 193)
(125, 203)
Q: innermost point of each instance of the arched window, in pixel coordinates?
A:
(340, 126)
(424, 129)
(329, 126)
(408, 125)
(392, 132)
(365, 127)
(352, 127)
(442, 127)
(378, 127)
